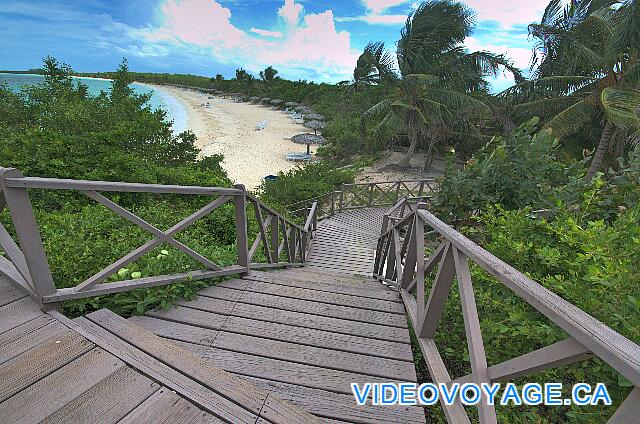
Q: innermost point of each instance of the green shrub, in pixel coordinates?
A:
(304, 182)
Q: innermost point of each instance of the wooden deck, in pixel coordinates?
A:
(102, 368)
(346, 242)
(271, 347)
(305, 334)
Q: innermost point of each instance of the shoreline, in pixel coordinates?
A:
(228, 128)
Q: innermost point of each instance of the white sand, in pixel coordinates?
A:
(228, 128)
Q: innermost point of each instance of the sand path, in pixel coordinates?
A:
(228, 128)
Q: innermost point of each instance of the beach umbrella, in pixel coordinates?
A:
(254, 99)
(314, 125)
(313, 116)
(291, 104)
(276, 102)
(308, 139)
(265, 100)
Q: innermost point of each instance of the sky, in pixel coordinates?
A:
(312, 40)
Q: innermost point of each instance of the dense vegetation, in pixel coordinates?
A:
(57, 130)
(551, 181)
(577, 237)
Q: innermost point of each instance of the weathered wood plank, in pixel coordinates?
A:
(338, 406)
(17, 313)
(277, 370)
(369, 289)
(283, 332)
(108, 401)
(217, 380)
(166, 407)
(309, 307)
(344, 269)
(320, 357)
(314, 295)
(176, 330)
(164, 374)
(35, 364)
(9, 292)
(38, 401)
(28, 335)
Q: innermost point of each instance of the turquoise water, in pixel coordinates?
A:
(160, 99)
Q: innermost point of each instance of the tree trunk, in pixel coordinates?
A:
(603, 146)
(504, 119)
(413, 139)
(429, 158)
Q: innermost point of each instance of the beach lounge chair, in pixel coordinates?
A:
(295, 156)
(261, 125)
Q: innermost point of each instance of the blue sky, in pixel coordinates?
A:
(314, 40)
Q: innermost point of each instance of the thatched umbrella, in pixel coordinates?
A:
(314, 125)
(308, 139)
(313, 116)
(276, 103)
(303, 109)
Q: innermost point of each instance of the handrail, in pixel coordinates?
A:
(400, 262)
(363, 195)
(26, 263)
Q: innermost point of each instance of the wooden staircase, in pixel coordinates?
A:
(305, 334)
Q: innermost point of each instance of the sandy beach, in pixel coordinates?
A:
(228, 128)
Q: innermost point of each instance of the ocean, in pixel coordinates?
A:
(160, 99)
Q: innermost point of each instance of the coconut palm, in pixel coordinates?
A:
(269, 74)
(586, 62)
(440, 85)
(375, 66)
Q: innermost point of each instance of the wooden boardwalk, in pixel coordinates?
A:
(305, 334)
(102, 368)
(346, 242)
(279, 346)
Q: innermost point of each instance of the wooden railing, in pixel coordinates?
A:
(364, 195)
(25, 262)
(400, 262)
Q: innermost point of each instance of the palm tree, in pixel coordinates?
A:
(269, 74)
(440, 87)
(587, 70)
(241, 74)
(375, 66)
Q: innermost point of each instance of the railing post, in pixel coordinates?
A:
(240, 204)
(26, 227)
(275, 236)
(341, 201)
(385, 223)
(333, 201)
(370, 200)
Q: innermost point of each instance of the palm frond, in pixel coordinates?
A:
(544, 108)
(378, 109)
(622, 106)
(433, 28)
(546, 87)
(573, 118)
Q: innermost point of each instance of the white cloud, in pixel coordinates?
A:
(379, 6)
(290, 12)
(266, 33)
(308, 47)
(519, 55)
(508, 13)
(375, 13)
